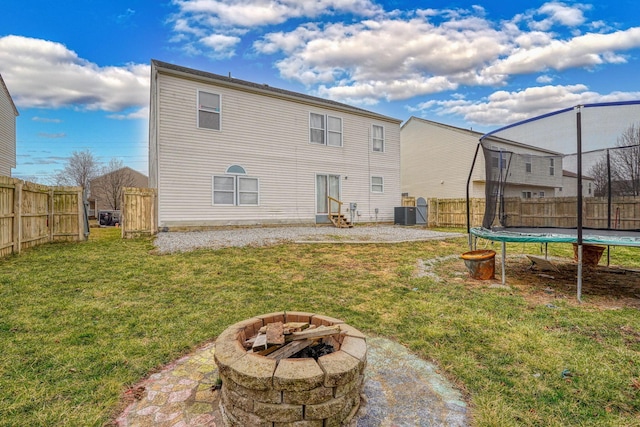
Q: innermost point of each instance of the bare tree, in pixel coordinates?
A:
(625, 161)
(623, 166)
(81, 168)
(600, 174)
(108, 187)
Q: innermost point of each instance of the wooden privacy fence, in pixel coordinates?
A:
(33, 214)
(138, 212)
(543, 212)
(453, 212)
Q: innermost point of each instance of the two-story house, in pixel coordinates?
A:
(224, 151)
(8, 114)
(437, 160)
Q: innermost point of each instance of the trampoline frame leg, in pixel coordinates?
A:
(503, 262)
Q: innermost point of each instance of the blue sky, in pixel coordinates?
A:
(78, 70)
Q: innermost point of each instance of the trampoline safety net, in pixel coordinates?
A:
(575, 167)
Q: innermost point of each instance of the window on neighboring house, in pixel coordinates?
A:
(589, 188)
(526, 194)
(377, 139)
(527, 163)
(377, 184)
(208, 110)
(542, 195)
(325, 130)
(498, 158)
(234, 189)
(552, 166)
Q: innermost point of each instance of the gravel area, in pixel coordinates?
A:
(169, 242)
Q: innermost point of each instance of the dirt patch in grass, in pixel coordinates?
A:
(602, 287)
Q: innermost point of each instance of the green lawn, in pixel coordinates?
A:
(79, 323)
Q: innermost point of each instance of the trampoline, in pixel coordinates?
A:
(570, 176)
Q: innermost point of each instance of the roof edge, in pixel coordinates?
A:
(263, 89)
(4, 86)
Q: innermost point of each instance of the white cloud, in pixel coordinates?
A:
(46, 74)
(141, 113)
(354, 51)
(562, 14)
(221, 45)
(52, 135)
(431, 51)
(204, 18)
(413, 54)
(255, 13)
(583, 51)
(503, 107)
(544, 79)
(45, 120)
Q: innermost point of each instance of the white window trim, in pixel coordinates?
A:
(377, 185)
(257, 192)
(209, 110)
(236, 190)
(326, 130)
(213, 190)
(334, 132)
(528, 167)
(384, 139)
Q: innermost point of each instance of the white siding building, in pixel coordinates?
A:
(570, 185)
(8, 114)
(437, 158)
(224, 151)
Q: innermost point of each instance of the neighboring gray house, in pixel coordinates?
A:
(8, 114)
(224, 151)
(436, 160)
(106, 189)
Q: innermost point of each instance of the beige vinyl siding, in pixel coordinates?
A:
(269, 138)
(7, 132)
(436, 160)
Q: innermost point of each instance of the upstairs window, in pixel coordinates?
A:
(208, 110)
(334, 131)
(498, 158)
(325, 130)
(552, 166)
(377, 134)
(527, 163)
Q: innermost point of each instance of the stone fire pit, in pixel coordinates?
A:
(259, 391)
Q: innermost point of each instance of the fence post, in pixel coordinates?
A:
(123, 212)
(17, 217)
(80, 215)
(51, 197)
